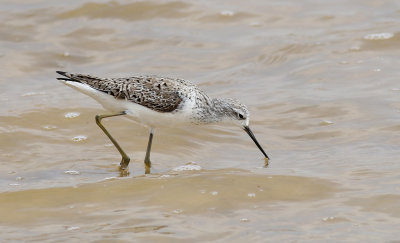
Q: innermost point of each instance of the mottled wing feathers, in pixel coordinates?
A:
(156, 93)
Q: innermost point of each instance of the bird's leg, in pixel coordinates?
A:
(125, 159)
(147, 161)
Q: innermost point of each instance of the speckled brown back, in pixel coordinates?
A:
(157, 93)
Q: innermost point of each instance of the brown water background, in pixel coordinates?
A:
(321, 79)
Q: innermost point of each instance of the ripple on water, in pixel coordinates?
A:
(49, 127)
(33, 93)
(255, 24)
(131, 11)
(326, 123)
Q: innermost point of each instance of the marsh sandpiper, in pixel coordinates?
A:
(158, 102)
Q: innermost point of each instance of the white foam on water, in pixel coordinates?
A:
(328, 218)
(69, 228)
(72, 114)
(177, 211)
(187, 167)
(72, 172)
(49, 127)
(227, 13)
(79, 138)
(379, 36)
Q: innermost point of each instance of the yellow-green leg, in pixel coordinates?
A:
(125, 159)
(147, 161)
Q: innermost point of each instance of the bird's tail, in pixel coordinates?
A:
(68, 76)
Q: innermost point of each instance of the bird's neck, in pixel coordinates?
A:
(219, 106)
(213, 110)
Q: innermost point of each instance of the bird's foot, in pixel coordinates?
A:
(123, 166)
(147, 166)
(123, 172)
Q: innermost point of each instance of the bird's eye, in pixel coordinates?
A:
(241, 116)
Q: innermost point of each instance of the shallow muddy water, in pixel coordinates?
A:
(321, 80)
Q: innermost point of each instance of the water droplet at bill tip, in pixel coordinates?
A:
(266, 162)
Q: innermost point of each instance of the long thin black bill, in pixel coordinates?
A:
(247, 129)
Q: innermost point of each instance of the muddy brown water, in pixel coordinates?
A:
(321, 80)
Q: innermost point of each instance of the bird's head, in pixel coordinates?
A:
(237, 113)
